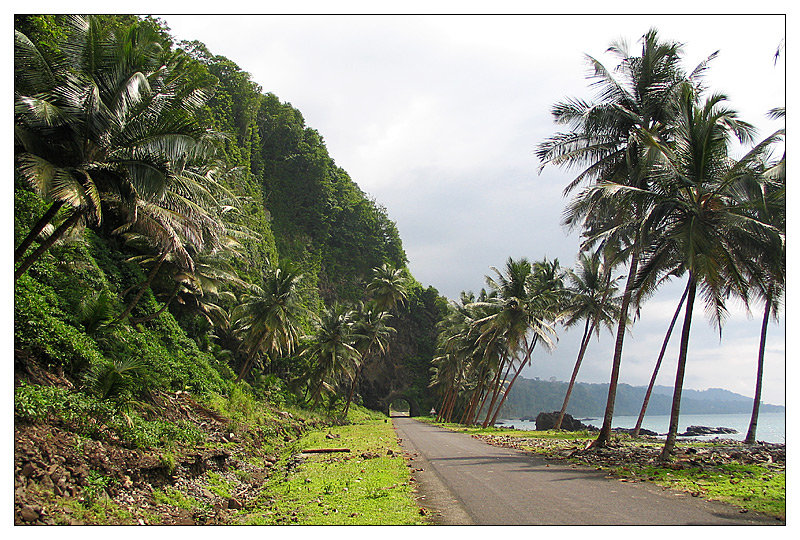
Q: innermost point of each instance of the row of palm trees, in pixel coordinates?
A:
(107, 133)
(657, 187)
(343, 339)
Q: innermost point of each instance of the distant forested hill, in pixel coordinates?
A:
(529, 397)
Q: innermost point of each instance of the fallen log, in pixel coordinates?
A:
(324, 450)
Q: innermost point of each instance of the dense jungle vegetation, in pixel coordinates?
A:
(164, 201)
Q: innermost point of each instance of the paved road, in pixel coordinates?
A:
(465, 481)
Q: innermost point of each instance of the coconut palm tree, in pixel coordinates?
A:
(699, 223)
(388, 287)
(768, 270)
(268, 317)
(607, 141)
(332, 349)
(528, 298)
(371, 335)
(590, 298)
(112, 115)
(454, 353)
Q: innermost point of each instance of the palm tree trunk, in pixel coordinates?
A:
(248, 364)
(150, 277)
(477, 398)
(484, 396)
(477, 393)
(495, 391)
(669, 444)
(508, 391)
(152, 316)
(652, 384)
(525, 361)
(352, 390)
(37, 229)
(605, 432)
(28, 261)
(751, 432)
(505, 393)
(587, 332)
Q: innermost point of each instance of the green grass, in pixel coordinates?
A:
(348, 488)
(753, 487)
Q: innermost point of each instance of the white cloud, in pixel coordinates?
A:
(437, 118)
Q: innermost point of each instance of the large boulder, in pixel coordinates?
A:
(545, 421)
(695, 431)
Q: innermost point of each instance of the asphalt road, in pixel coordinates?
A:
(464, 481)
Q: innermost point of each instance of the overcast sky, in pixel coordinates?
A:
(437, 117)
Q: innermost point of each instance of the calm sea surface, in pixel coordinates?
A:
(771, 426)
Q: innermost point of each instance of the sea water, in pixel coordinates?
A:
(771, 426)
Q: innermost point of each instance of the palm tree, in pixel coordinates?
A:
(608, 141)
(590, 298)
(269, 317)
(699, 223)
(111, 116)
(528, 297)
(332, 349)
(371, 334)
(389, 287)
(454, 353)
(768, 271)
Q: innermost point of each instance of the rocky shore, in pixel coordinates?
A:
(645, 451)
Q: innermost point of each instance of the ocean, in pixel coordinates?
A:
(771, 426)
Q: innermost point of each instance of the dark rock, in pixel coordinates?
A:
(29, 513)
(642, 431)
(28, 469)
(233, 504)
(694, 431)
(545, 421)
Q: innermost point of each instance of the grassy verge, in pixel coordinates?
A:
(756, 487)
(369, 485)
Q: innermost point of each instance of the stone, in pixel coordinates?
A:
(28, 513)
(28, 469)
(545, 421)
(695, 431)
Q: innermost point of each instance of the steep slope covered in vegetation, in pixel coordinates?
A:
(130, 289)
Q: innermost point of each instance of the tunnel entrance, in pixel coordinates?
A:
(400, 405)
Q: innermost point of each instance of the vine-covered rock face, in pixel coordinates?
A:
(382, 378)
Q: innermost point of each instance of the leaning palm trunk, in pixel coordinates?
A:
(150, 277)
(605, 432)
(652, 384)
(28, 261)
(525, 361)
(505, 394)
(496, 385)
(751, 432)
(37, 229)
(500, 388)
(587, 332)
(148, 318)
(669, 444)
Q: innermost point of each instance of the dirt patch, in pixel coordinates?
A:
(59, 474)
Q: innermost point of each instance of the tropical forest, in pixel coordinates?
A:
(214, 324)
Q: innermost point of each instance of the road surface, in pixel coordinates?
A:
(465, 481)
